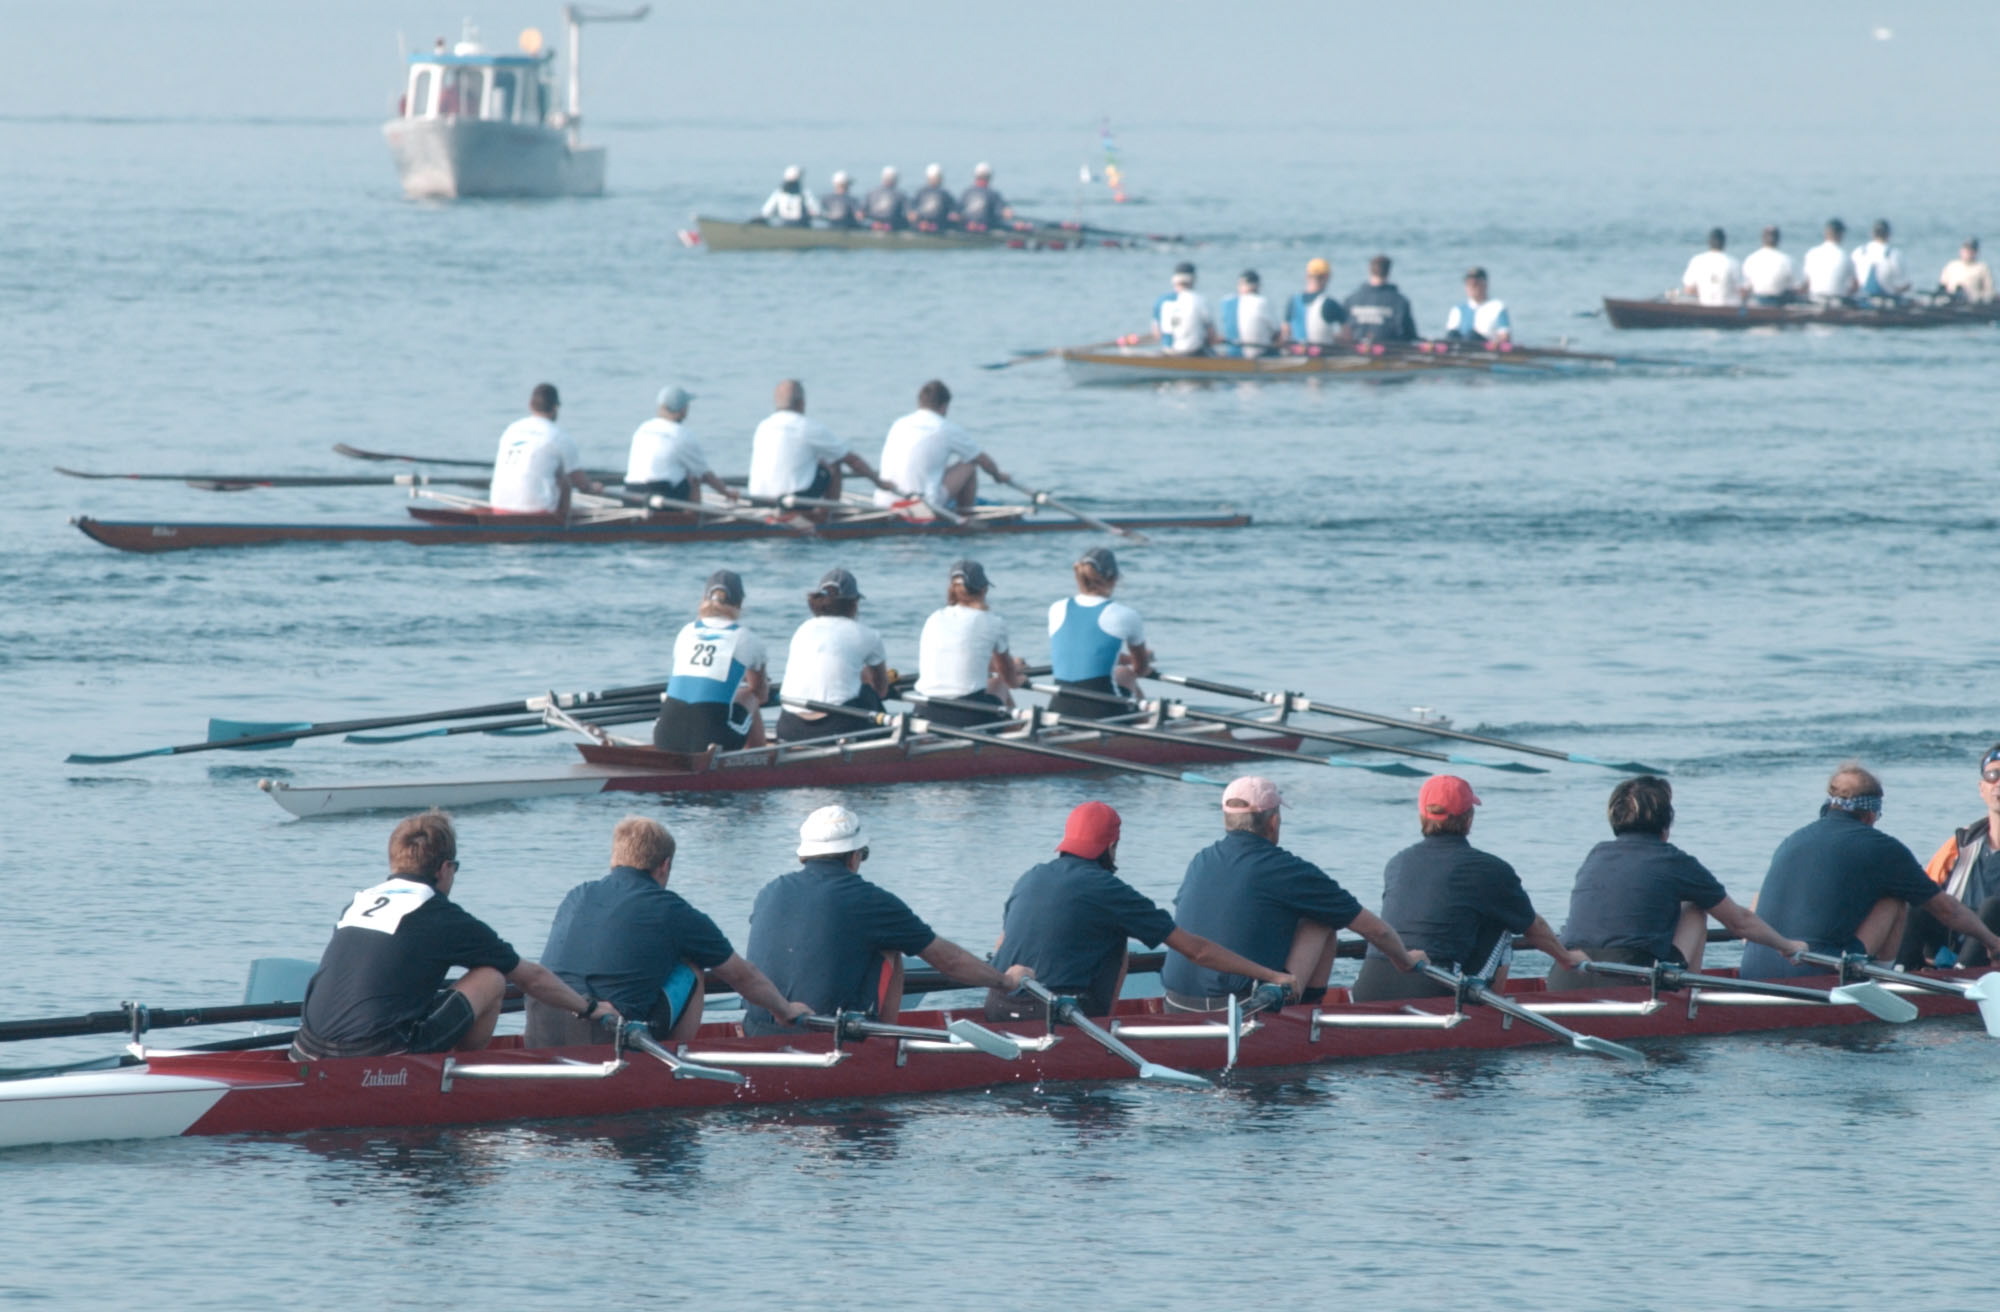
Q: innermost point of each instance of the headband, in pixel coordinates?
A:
(1865, 802)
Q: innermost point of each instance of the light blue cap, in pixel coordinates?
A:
(675, 397)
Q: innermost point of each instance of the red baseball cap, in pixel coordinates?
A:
(1445, 794)
(1092, 829)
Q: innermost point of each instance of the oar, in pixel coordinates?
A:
(657, 502)
(1044, 499)
(636, 1035)
(850, 1026)
(357, 453)
(290, 733)
(1469, 988)
(1985, 991)
(1871, 998)
(916, 724)
(520, 725)
(1294, 701)
(244, 482)
(1027, 357)
(1066, 1010)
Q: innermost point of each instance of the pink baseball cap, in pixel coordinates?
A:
(1251, 792)
(1446, 794)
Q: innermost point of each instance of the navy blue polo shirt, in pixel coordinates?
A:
(1248, 894)
(1448, 898)
(1629, 891)
(619, 937)
(1069, 920)
(819, 934)
(1823, 881)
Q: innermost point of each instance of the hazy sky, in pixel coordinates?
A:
(1604, 63)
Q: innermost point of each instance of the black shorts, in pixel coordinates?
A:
(449, 1019)
(681, 491)
(693, 726)
(1090, 708)
(965, 717)
(793, 728)
(822, 480)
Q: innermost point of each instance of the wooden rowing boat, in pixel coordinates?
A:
(1669, 313)
(724, 235)
(260, 1093)
(1137, 364)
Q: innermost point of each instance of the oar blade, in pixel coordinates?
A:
(113, 758)
(222, 731)
(1875, 1000)
(1196, 777)
(1606, 1048)
(1629, 767)
(988, 1042)
(1986, 992)
(1152, 1070)
(1512, 767)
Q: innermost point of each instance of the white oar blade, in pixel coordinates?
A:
(995, 1045)
(1606, 1048)
(1152, 1070)
(688, 1070)
(1875, 1000)
(1986, 992)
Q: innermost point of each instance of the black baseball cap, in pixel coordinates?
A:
(1101, 559)
(837, 582)
(728, 583)
(971, 573)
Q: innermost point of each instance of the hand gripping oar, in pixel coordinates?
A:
(1985, 991)
(1871, 998)
(1298, 702)
(850, 1026)
(1044, 499)
(1066, 1010)
(1470, 988)
(636, 1034)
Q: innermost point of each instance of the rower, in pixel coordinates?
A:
(1380, 314)
(380, 987)
(1844, 886)
(642, 947)
(665, 461)
(887, 208)
(1878, 267)
(963, 656)
(715, 695)
(932, 209)
(1313, 318)
(841, 208)
(830, 938)
(1254, 897)
(1769, 274)
(835, 658)
(791, 455)
(1967, 866)
(1478, 318)
(982, 208)
(1182, 321)
(1967, 279)
(926, 455)
(1639, 900)
(1714, 277)
(537, 464)
(1461, 906)
(1071, 918)
(1829, 269)
(791, 205)
(1096, 645)
(1249, 324)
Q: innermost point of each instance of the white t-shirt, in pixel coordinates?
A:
(1185, 322)
(1716, 277)
(662, 452)
(786, 450)
(1486, 319)
(1829, 271)
(826, 658)
(790, 206)
(1886, 262)
(1974, 279)
(919, 448)
(528, 471)
(955, 654)
(1770, 272)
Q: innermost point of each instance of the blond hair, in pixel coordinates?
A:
(642, 843)
(421, 844)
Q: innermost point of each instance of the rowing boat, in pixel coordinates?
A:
(1671, 313)
(724, 235)
(261, 1093)
(1136, 364)
(434, 526)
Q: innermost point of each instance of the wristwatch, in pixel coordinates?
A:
(590, 1002)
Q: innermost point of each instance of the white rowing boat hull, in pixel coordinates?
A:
(127, 1104)
(341, 799)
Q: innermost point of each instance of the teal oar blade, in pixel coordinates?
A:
(1512, 767)
(224, 731)
(112, 758)
(1196, 777)
(1629, 767)
(1395, 768)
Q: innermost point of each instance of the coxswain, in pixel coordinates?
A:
(1829, 269)
(887, 207)
(631, 940)
(981, 208)
(1769, 274)
(1096, 645)
(1967, 278)
(1380, 315)
(537, 465)
(791, 205)
(665, 460)
(1459, 905)
(926, 455)
(1312, 317)
(1878, 266)
(1070, 920)
(715, 695)
(1714, 276)
(1249, 324)
(829, 938)
(963, 656)
(380, 987)
(1251, 896)
(791, 455)
(1478, 318)
(1639, 900)
(933, 209)
(1967, 866)
(1182, 321)
(1844, 886)
(833, 658)
(841, 208)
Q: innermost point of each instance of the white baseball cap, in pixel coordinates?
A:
(840, 176)
(793, 173)
(831, 831)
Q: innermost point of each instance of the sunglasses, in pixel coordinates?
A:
(1990, 772)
